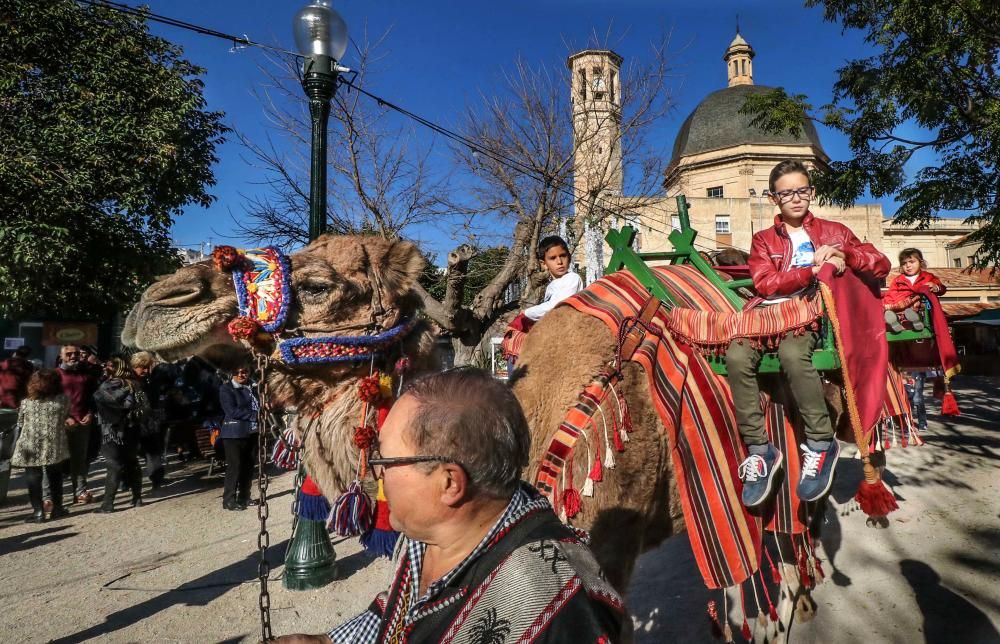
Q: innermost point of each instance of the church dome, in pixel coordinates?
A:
(717, 124)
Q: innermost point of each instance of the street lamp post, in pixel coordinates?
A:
(321, 36)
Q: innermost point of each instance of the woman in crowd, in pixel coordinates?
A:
(43, 442)
(122, 409)
(150, 376)
(239, 435)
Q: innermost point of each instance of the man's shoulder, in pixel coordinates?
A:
(558, 562)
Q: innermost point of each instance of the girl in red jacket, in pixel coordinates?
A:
(902, 298)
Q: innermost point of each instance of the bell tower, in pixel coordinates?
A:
(596, 99)
(595, 93)
(739, 61)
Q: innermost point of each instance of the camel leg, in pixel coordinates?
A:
(616, 541)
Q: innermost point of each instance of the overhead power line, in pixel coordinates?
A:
(476, 147)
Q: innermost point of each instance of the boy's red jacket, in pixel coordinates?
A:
(771, 255)
(900, 288)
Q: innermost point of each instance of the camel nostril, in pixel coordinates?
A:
(166, 294)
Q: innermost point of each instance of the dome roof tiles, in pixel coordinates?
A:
(717, 124)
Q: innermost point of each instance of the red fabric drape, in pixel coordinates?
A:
(858, 315)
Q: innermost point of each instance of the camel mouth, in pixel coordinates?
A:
(173, 332)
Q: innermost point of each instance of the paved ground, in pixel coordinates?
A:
(182, 570)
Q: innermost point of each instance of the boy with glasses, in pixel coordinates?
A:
(784, 262)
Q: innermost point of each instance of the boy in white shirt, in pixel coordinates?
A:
(553, 253)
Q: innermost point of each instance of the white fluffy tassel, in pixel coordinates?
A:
(588, 488)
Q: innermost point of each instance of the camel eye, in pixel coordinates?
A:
(314, 290)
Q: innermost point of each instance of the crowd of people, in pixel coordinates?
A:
(57, 422)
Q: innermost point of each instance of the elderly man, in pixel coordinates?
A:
(79, 385)
(482, 558)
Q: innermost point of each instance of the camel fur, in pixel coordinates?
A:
(342, 285)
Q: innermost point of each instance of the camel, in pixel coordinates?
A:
(334, 280)
(342, 286)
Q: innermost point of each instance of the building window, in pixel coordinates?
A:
(971, 259)
(583, 85)
(722, 225)
(611, 87)
(715, 193)
(675, 222)
(958, 262)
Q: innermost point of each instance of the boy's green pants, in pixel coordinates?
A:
(795, 354)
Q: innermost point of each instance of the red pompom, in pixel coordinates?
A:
(364, 437)
(369, 390)
(225, 258)
(772, 613)
(949, 406)
(571, 502)
(775, 574)
(746, 631)
(403, 365)
(243, 328)
(875, 499)
(309, 487)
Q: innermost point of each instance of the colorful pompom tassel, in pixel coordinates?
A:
(571, 502)
(713, 617)
(352, 512)
(285, 453)
(381, 539)
(312, 505)
(619, 437)
(949, 406)
(874, 498)
(596, 471)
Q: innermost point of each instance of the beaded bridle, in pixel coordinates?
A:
(262, 278)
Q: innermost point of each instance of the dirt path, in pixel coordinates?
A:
(183, 570)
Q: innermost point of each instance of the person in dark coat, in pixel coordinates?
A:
(122, 410)
(239, 436)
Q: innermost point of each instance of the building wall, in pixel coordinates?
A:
(931, 241)
(963, 253)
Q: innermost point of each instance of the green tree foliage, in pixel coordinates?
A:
(104, 138)
(483, 266)
(937, 67)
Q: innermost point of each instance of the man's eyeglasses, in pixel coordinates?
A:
(787, 195)
(71, 353)
(379, 464)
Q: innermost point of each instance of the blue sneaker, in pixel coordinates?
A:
(758, 473)
(818, 465)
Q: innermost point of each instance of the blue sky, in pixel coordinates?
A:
(441, 54)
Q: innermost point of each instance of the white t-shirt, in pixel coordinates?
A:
(912, 278)
(802, 255)
(557, 291)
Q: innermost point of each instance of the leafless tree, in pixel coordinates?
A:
(379, 180)
(522, 181)
(517, 178)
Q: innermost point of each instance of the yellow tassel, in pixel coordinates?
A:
(381, 492)
(385, 385)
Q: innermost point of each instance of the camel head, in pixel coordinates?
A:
(340, 285)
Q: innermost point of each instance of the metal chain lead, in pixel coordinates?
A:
(263, 538)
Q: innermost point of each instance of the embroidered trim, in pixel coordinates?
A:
(344, 348)
(262, 287)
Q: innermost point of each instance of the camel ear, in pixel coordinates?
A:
(398, 269)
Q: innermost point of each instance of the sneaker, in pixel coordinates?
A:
(758, 473)
(817, 470)
(914, 319)
(892, 320)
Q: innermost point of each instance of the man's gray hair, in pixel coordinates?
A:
(467, 415)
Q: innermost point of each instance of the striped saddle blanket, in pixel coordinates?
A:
(696, 409)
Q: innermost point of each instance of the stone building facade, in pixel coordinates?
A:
(721, 164)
